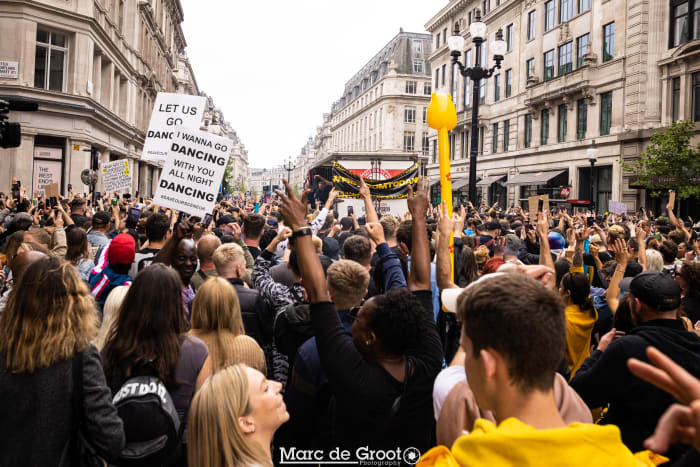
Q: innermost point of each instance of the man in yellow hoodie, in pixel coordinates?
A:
(514, 337)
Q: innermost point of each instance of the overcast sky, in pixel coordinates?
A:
(274, 67)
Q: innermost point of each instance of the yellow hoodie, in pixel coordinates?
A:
(579, 326)
(514, 443)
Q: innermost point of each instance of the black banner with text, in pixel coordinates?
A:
(348, 184)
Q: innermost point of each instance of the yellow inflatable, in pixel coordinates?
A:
(442, 116)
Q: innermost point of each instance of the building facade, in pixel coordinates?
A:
(576, 73)
(94, 67)
(382, 112)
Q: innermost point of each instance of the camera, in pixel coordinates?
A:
(10, 132)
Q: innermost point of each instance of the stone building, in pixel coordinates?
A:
(382, 112)
(94, 67)
(575, 72)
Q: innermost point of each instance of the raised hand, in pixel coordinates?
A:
(293, 208)
(364, 189)
(622, 255)
(445, 223)
(376, 232)
(417, 201)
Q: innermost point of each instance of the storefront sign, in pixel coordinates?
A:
(193, 171)
(565, 192)
(45, 173)
(116, 176)
(170, 112)
(9, 69)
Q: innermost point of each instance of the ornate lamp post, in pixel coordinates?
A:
(592, 154)
(476, 73)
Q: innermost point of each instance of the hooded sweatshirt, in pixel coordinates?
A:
(514, 443)
(635, 405)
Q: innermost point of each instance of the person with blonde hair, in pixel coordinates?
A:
(111, 312)
(216, 320)
(45, 335)
(233, 418)
(655, 262)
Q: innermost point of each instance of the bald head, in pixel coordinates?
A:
(23, 260)
(206, 247)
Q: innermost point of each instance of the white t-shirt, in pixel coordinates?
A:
(445, 381)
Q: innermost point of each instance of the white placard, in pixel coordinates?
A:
(9, 69)
(116, 176)
(193, 172)
(169, 112)
(617, 208)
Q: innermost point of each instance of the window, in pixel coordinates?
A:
(465, 144)
(584, 5)
(485, 6)
(411, 87)
(409, 114)
(509, 37)
(548, 65)
(468, 81)
(608, 42)
(455, 81)
(696, 97)
(444, 72)
(544, 129)
(435, 151)
(427, 89)
(561, 123)
(482, 90)
(497, 88)
(676, 99)
(565, 58)
(50, 60)
(418, 47)
(681, 22)
(581, 118)
(506, 134)
(425, 115)
(528, 130)
(509, 82)
(444, 36)
(531, 25)
(530, 67)
(494, 138)
(418, 66)
(437, 41)
(550, 15)
(426, 144)
(408, 141)
(581, 49)
(605, 113)
(469, 18)
(566, 10)
(437, 78)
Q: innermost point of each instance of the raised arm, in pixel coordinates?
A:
(419, 276)
(612, 295)
(370, 213)
(642, 247)
(543, 234)
(443, 267)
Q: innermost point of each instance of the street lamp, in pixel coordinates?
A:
(592, 154)
(289, 167)
(476, 73)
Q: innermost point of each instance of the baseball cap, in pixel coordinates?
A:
(656, 289)
(121, 249)
(227, 219)
(331, 248)
(101, 218)
(273, 222)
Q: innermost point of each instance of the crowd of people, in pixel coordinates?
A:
(134, 335)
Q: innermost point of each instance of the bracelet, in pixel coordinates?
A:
(301, 232)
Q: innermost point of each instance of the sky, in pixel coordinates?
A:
(275, 66)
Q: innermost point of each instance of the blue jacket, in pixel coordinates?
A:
(103, 281)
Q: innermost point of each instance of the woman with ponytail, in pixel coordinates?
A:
(580, 318)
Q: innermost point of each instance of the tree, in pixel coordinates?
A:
(670, 162)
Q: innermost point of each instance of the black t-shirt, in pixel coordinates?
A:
(691, 306)
(254, 251)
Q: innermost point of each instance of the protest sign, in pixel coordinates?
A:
(51, 190)
(116, 176)
(532, 204)
(45, 173)
(169, 112)
(672, 198)
(617, 208)
(193, 171)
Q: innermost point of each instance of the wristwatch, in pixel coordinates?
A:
(300, 232)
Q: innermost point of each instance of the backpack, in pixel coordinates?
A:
(292, 327)
(151, 423)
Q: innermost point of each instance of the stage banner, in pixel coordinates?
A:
(347, 184)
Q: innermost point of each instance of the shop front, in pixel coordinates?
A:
(541, 183)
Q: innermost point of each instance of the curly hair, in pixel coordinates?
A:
(50, 316)
(397, 320)
(690, 273)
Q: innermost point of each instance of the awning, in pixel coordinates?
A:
(534, 178)
(459, 183)
(490, 180)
